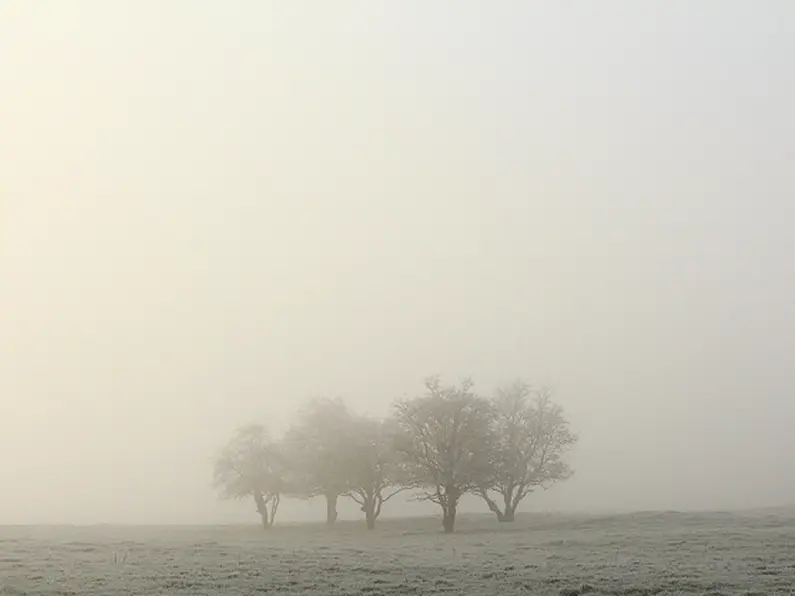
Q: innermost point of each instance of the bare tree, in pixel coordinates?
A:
(374, 470)
(318, 452)
(445, 439)
(531, 435)
(250, 465)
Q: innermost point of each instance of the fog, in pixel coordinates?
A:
(211, 212)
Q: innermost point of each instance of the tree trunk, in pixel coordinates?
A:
(508, 516)
(331, 508)
(448, 519)
(368, 506)
(262, 509)
(493, 507)
(369, 516)
(275, 500)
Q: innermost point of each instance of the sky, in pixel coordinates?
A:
(213, 211)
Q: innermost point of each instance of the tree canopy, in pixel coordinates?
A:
(251, 465)
(319, 450)
(531, 435)
(375, 471)
(446, 440)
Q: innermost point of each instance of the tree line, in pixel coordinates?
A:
(447, 442)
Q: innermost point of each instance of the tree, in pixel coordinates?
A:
(531, 435)
(374, 472)
(445, 439)
(318, 453)
(251, 465)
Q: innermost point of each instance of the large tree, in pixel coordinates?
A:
(531, 436)
(318, 452)
(374, 471)
(445, 438)
(251, 465)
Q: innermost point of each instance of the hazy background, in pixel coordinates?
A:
(211, 211)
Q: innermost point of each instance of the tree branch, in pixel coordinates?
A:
(397, 491)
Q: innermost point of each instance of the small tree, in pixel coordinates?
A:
(374, 471)
(530, 436)
(318, 453)
(445, 440)
(250, 465)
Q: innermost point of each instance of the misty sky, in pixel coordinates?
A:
(211, 211)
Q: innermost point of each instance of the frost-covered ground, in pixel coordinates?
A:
(639, 554)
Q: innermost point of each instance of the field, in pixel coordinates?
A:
(633, 555)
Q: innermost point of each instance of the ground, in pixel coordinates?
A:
(633, 555)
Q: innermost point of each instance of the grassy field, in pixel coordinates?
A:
(633, 555)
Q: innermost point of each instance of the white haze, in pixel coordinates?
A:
(211, 211)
